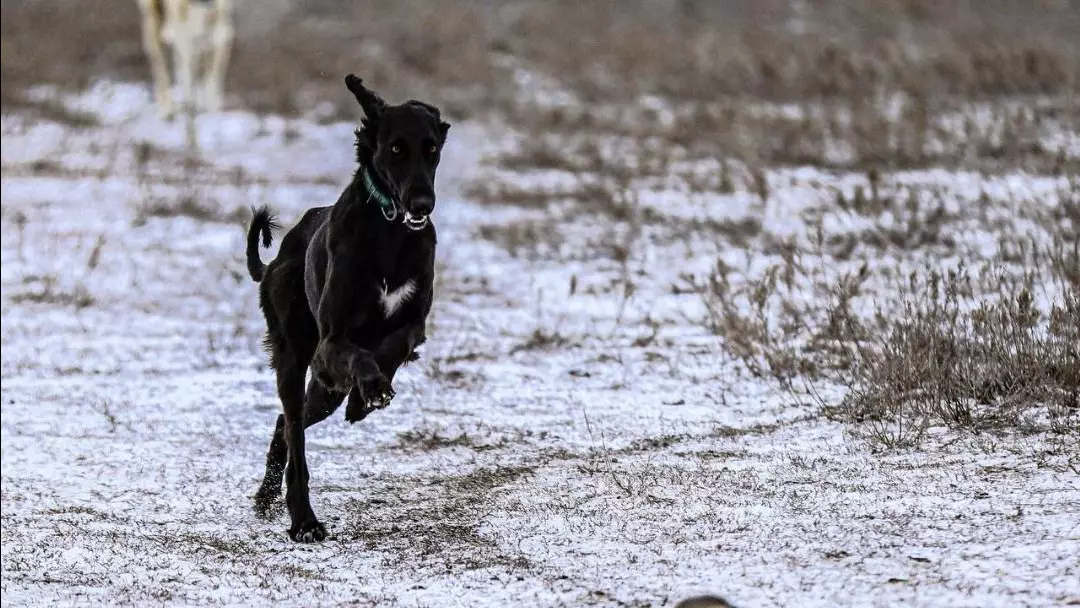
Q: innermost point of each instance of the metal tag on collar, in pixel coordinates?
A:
(392, 214)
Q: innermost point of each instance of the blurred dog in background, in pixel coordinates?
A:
(704, 601)
(200, 33)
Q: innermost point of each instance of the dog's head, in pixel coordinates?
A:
(401, 145)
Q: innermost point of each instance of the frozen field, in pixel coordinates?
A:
(565, 440)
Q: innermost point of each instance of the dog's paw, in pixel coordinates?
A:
(375, 394)
(357, 408)
(360, 405)
(310, 531)
(376, 391)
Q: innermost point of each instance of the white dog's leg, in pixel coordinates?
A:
(221, 41)
(151, 30)
(183, 45)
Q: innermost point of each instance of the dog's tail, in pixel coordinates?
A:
(262, 222)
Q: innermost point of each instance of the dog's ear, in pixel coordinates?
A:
(372, 104)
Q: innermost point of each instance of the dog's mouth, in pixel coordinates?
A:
(415, 222)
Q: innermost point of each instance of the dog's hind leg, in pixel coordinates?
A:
(270, 489)
(290, 378)
(320, 403)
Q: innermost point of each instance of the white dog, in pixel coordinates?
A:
(194, 29)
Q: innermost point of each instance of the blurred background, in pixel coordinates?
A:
(289, 54)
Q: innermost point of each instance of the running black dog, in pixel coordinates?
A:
(349, 291)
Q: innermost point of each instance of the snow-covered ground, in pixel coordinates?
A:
(550, 449)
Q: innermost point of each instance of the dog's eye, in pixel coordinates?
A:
(433, 149)
(396, 149)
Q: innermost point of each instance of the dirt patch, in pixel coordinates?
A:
(418, 522)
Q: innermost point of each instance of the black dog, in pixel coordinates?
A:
(349, 291)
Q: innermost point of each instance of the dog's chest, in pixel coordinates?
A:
(391, 300)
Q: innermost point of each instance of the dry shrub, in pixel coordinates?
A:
(935, 352)
(777, 335)
(990, 349)
(1001, 365)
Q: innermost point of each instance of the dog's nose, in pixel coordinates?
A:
(423, 204)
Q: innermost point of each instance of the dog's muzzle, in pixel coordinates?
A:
(415, 222)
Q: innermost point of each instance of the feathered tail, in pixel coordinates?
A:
(262, 222)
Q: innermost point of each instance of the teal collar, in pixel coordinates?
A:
(386, 204)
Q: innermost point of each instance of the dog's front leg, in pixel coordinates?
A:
(394, 351)
(334, 363)
(152, 44)
(183, 45)
(344, 367)
(400, 347)
(339, 363)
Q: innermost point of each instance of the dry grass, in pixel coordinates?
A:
(411, 49)
(429, 440)
(50, 292)
(796, 51)
(930, 353)
(967, 351)
(189, 206)
(890, 84)
(1003, 365)
(887, 130)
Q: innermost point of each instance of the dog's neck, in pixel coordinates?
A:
(382, 239)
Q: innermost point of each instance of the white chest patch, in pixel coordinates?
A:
(393, 300)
